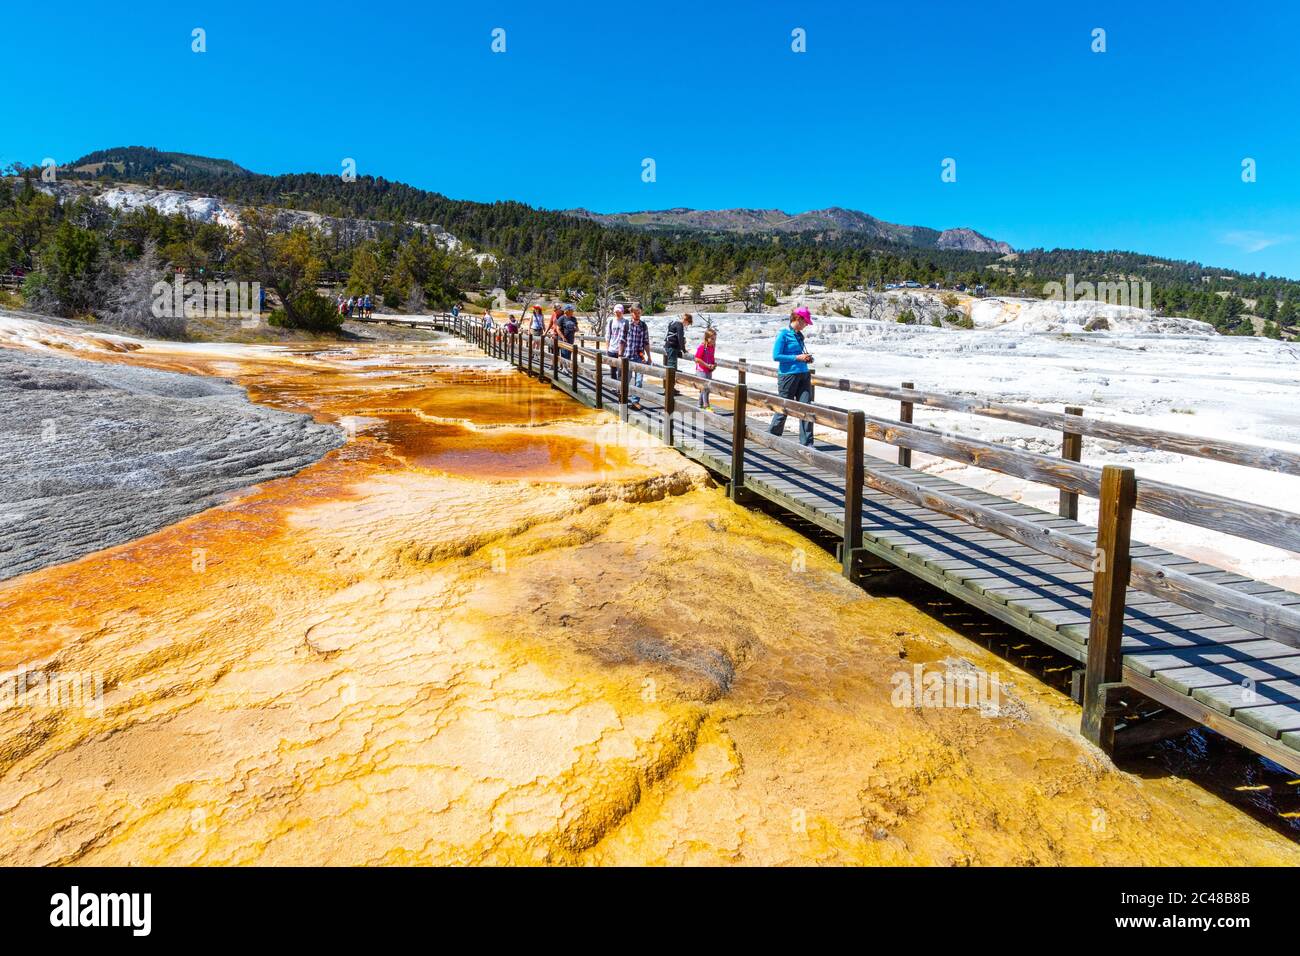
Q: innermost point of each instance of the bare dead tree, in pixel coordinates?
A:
(875, 304)
(130, 301)
(604, 293)
(415, 300)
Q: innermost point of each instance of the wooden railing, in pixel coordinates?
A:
(1117, 489)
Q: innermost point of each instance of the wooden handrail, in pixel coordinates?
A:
(1237, 453)
(821, 414)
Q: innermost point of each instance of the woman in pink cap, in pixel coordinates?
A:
(794, 376)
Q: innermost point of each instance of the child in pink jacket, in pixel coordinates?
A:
(705, 364)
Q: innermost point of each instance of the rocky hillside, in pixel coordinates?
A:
(834, 221)
(226, 212)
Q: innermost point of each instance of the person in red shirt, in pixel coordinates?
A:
(705, 364)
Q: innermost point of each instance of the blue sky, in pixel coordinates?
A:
(1136, 148)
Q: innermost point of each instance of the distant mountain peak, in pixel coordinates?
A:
(832, 219)
(144, 160)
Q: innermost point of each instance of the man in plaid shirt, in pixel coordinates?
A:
(636, 346)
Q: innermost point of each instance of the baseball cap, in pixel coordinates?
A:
(619, 308)
(803, 313)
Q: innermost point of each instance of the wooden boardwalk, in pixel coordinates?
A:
(1242, 681)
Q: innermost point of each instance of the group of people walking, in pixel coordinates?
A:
(629, 337)
(562, 324)
(355, 306)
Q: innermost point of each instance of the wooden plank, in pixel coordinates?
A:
(1192, 678)
(1251, 648)
(1234, 730)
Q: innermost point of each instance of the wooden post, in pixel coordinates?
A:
(740, 372)
(530, 353)
(555, 359)
(1071, 450)
(600, 394)
(670, 403)
(905, 416)
(738, 442)
(1110, 579)
(573, 368)
(623, 376)
(853, 478)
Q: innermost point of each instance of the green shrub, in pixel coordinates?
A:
(843, 310)
(906, 317)
(311, 312)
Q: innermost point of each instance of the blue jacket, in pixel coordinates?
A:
(788, 344)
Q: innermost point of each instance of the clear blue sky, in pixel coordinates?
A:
(1136, 148)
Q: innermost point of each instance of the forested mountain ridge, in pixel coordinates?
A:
(541, 249)
(832, 222)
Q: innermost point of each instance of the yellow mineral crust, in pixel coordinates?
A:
(425, 649)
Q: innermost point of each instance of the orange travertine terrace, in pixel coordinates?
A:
(490, 629)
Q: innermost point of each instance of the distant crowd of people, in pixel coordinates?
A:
(627, 336)
(355, 306)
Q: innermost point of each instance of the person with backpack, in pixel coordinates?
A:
(794, 377)
(675, 340)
